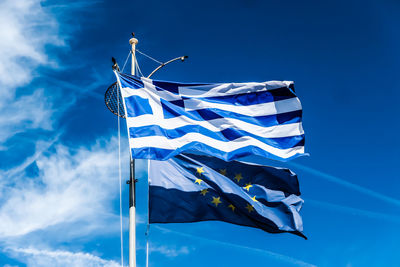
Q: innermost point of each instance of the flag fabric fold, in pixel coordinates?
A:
(227, 120)
(193, 188)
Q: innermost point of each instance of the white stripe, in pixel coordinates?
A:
(224, 89)
(127, 92)
(263, 109)
(172, 144)
(216, 125)
(145, 92)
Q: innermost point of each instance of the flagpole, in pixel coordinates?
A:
(132, 182)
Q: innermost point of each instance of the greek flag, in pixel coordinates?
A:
(230, 121)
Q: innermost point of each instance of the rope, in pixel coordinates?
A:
(120, 181)
(148, 215)
(138, 68)
(126, 61)
(159, 62)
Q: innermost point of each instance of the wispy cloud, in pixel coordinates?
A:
(41, 146)
(26, 28)
(71, 197)
(271, 254)
(72, 185)
(24, 113)
(167, 250)
(71, 191)
(347, 184)
(170, 251)
(39, 258)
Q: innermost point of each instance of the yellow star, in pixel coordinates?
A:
(198, 181)
(254, 199)
(247, 187)
(249, 207)
(204, 192)
(238, 177)
(216, 201)
(200, 170)
(232, 207)
(222, 171)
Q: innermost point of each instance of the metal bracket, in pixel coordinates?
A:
(169, 61)
(129, 182)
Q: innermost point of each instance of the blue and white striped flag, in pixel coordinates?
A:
(230, 121)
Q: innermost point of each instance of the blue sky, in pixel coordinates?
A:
(59, 188)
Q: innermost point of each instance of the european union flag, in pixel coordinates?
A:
(188, 188)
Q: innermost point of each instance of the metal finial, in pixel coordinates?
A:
(115, 64)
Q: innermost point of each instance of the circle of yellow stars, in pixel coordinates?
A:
(217, 200)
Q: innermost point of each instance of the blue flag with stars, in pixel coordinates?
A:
(188, 188)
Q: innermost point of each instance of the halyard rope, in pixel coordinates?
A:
(120, 179)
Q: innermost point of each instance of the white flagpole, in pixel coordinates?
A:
(132, 199)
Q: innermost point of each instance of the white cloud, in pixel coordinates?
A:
(70, 198)
(169, 251)
(22, 114)
(26, 28)
(40, 147)
(73, 192)
(41, 258)
(73, 185)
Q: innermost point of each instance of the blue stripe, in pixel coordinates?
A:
(226, 135)
(174, 109)
(203, 149)
(252, 98)
(130, 81)
(265, 121)
(172, 87)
